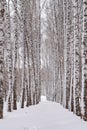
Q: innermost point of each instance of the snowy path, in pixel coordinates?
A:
(45, 116)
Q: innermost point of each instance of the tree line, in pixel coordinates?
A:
(66, 54)
(19, 53)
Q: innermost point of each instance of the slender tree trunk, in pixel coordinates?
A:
(15, 58)
(85, 58)
(1, 55)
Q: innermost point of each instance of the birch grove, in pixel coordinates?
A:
(19, 53)
(43, 50)
(65, 56)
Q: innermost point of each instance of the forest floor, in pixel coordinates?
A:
(44, 116)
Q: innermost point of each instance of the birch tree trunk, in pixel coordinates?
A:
(9, 53)
(1, 55)
(15, 57)
(85, 57)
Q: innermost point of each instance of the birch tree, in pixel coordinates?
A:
(85, 57)
(2, 10)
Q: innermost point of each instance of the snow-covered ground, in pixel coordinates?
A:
(44, 116)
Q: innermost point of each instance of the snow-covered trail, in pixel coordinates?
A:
(44, 116)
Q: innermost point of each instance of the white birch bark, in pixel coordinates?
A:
(2, 10)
